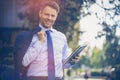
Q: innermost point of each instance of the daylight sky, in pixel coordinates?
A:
(90, 25)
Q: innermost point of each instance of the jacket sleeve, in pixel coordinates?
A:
(19, 50)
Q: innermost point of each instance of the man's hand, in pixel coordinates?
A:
(41, 36)
(76, 59)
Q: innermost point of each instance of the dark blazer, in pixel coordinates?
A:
(22, 43)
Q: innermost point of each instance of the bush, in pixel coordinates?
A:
(96, 74)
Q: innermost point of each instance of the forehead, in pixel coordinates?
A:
(49, 9)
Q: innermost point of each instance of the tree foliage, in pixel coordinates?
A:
(97, 59)
(111, 23)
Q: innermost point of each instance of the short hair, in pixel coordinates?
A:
(52, 4)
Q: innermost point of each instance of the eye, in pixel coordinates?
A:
(46, 14)
(52, 15)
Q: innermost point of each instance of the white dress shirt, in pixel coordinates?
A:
(37, 55)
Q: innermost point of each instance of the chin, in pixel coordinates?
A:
(47, 26)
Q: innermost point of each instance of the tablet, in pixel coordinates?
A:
(77, 51)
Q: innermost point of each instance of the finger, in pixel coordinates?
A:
(77, 57)
(41, 33)
(41, 36)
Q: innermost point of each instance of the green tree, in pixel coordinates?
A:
(111, 23)
(97, 59)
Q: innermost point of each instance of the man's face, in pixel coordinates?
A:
(48, 16)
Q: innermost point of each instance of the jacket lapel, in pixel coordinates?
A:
(30, 36)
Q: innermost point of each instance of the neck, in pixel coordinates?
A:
(44, 28)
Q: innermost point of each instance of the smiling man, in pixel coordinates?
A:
(40, 52)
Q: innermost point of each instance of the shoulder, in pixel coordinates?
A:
(59, 34)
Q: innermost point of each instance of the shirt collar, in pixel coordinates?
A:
(45, 29)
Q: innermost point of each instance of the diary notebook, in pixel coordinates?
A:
(77, 51)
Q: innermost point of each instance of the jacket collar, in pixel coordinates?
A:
(36, 29)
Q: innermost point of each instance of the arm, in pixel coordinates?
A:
(66, 53)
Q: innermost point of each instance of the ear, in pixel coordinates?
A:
(40, 13)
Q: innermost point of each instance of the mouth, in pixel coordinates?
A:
(48, 22)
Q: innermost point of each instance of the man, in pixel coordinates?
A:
(31, 48)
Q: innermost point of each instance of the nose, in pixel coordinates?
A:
(49, 17)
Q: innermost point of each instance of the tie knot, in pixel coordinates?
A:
(48, 31)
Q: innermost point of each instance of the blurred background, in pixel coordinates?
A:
(92, 22)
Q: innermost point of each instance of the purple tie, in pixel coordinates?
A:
(51, 66)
